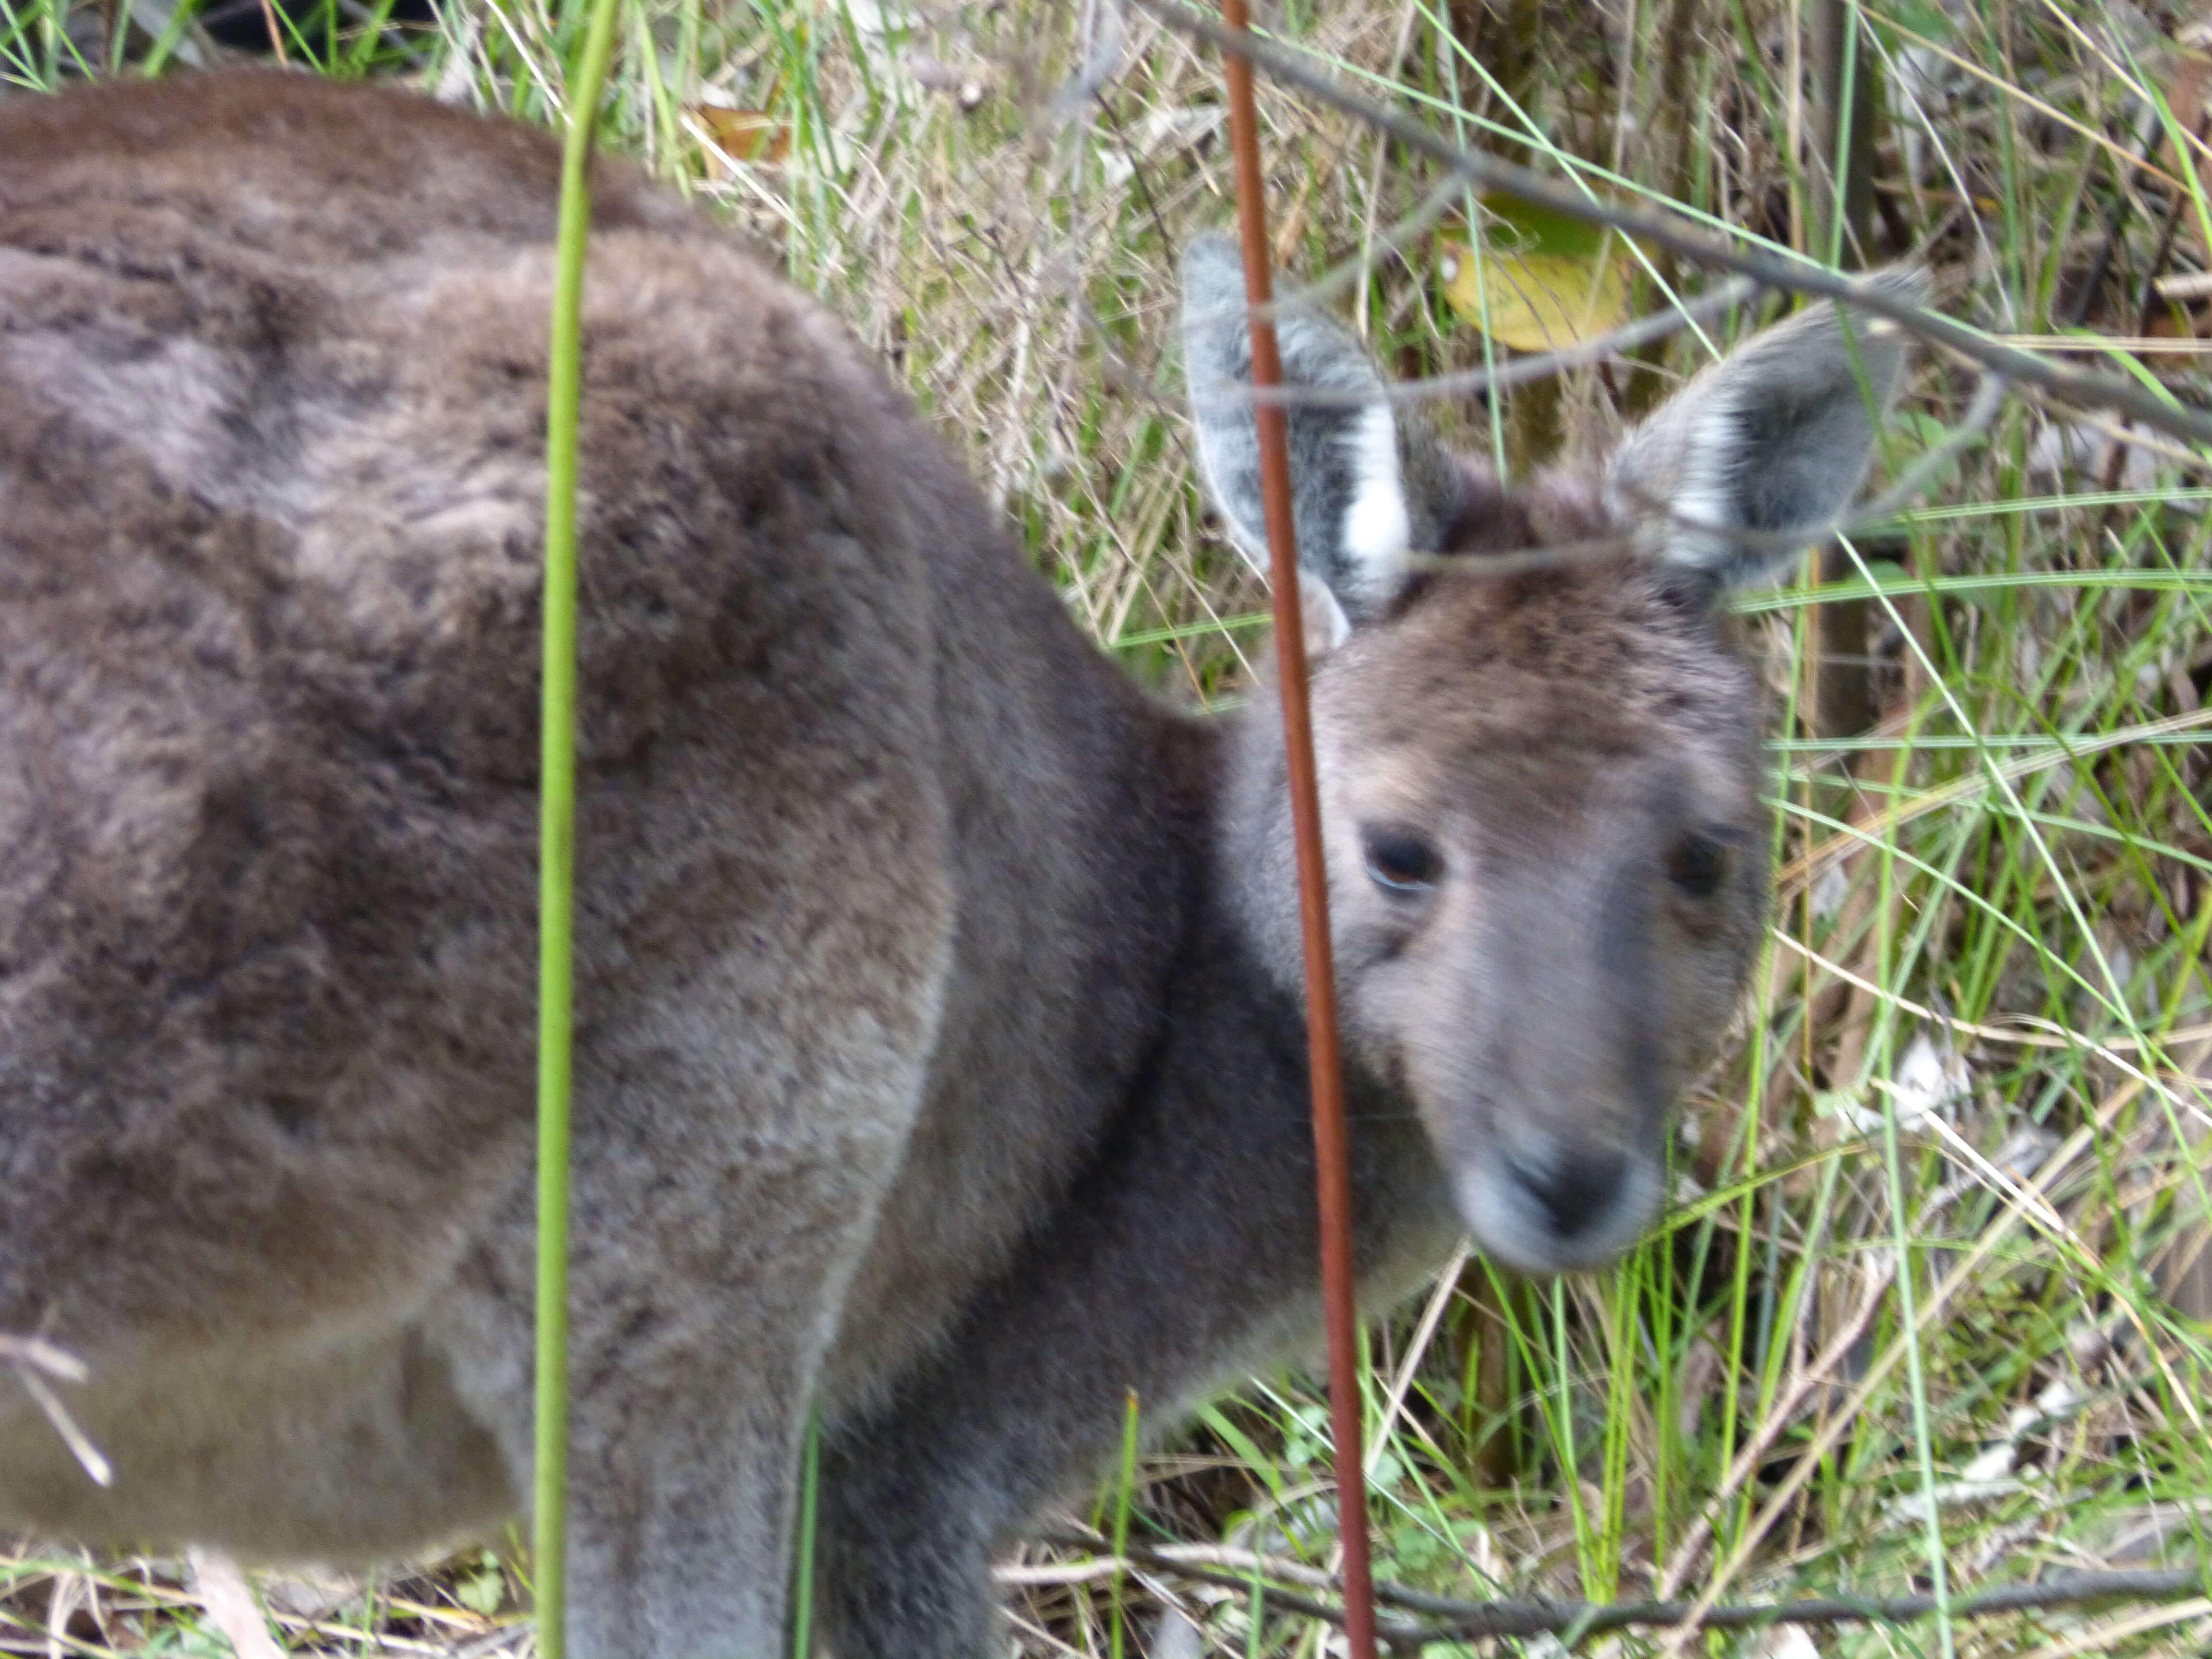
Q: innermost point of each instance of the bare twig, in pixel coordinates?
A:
(1852, 522)
(1345, 273)
(1777, 1420)
(276, 34)
(1619, 341)
(2058, 380)
(40, 1355)
(1447, 1618)
(32, 1360)
(221, 1584)
(1989, 398)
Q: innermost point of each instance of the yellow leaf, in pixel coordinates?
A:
(1538, 301)
(745, 134)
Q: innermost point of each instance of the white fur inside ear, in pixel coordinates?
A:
(1707, 493)
(1377, 529)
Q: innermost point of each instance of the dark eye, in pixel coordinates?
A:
(1400, 862)
(1698, 864)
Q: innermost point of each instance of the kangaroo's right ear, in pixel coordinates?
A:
(1774, 439)
(1352, 462)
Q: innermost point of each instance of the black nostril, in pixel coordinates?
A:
(1576, 1189)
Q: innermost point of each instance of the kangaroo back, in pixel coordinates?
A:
(272, 480)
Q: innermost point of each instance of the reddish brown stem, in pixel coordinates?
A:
(1332, 1151)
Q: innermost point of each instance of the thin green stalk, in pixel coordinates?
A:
(1559, 1411)
(1938, 1564)
(802, 1578)
(1616, 1306)
(557, 842)
(1847, 92)
(1124, 1495)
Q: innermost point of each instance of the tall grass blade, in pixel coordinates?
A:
(557, 844)
(802, 1575)
(1124, 1494)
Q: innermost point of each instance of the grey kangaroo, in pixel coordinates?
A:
(940, 1049)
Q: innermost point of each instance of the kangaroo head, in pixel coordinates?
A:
(1540, 780)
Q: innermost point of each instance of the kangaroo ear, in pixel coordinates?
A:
(1775, 438)
(1351, 459)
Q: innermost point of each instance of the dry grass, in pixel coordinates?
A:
(1933, 1309)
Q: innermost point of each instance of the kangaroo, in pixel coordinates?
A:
(940, 1055)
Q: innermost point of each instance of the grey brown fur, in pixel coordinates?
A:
(939, 1052)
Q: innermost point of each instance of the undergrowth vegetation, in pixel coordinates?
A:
(1931, 1311)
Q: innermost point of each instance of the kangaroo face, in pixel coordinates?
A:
(1540, 780)
(1547, 888)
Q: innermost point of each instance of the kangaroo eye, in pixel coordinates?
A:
(1399, 862)
(1698, 865)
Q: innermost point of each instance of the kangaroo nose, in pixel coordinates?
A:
(1578, 1188)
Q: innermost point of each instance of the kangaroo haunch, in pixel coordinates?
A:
(939, 1046)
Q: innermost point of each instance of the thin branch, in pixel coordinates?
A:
(1642, 332)
(2058, 380)
(1778, 1421)
(1445, 1619)
(31, 1360)
(1876, 515)
(1989, 400)
(38, 1354)
(1340, 278)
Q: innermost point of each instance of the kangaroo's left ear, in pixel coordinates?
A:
(1369, 485)
(1775, 438)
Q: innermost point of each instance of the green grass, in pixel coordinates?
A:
(1882, 1342)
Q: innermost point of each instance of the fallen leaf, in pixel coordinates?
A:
(1830, 889)
(1930, 1078)
(745, 134)
(484, 1590)
(1544, 282)
(231, 1609)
